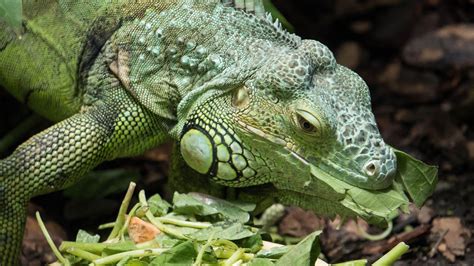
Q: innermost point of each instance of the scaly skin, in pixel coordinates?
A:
(247, 103)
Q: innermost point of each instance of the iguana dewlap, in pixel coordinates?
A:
(247, 102)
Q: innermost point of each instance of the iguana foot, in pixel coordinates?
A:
(271, 216)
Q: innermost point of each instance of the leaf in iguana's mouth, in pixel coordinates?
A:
(374, 206)
(419, 179)
(414, 178)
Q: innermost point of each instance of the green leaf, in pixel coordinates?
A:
(165, 241)
(261, 262)
(209, 258)
(224, 230)
(76, 261)
(232, 211)
(182, 254)
(381, 203)
(158, 206)
(186, 204)
(414, 178)
(418, 178)
(306, 252)
(246, 206)
(205, 205)
(84, 237)
(374, 206)
(135, 262)
(273, 253)
(253, 243)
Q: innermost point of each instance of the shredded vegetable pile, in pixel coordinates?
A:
(196, 229)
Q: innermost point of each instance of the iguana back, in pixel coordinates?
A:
(42, 66)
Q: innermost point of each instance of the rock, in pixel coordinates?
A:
(425, 214)
(299, 223)
(455, 236)
(451, 46)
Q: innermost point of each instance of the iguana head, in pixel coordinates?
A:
(298, 108)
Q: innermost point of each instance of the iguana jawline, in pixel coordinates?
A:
(273, 139)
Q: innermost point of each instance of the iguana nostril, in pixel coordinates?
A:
(372, 168)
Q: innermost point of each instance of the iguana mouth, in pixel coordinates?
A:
(352, 177)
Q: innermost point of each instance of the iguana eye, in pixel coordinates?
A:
(241, 98)
(307, 122)
(306, 125)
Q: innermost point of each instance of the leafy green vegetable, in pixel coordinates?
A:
(246, 206)
(305, 252)
(134, 262)
(200, 229)
(253, 243)
(158, 206)
(182, 254)
(384, 203)
(419, 179)
(273, 253)
(224, 230)
(414, 178)
(232, 211)
(261, 262)
(377, 207)
(166, 241)
(205, 205)
(188, 205)
(84, 237)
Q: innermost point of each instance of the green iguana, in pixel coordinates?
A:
(247, 102)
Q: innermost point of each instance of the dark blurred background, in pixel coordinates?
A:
(418, 59)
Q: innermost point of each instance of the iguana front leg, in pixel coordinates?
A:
(60, 155)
